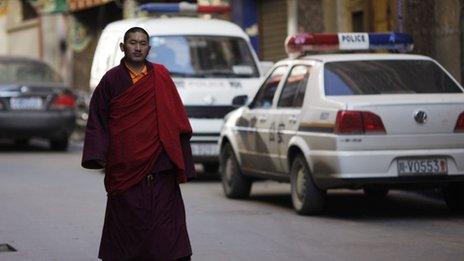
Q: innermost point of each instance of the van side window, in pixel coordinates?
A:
(265, 94)
(294, 89)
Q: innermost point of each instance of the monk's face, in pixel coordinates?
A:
(136, 47)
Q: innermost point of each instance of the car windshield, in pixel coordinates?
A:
(203, 56)
(26, 72)
(386, 77)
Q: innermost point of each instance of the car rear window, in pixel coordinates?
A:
(386, 77)
(14, 71)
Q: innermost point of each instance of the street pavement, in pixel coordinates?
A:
(52, 209)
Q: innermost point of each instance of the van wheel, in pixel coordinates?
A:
(60, 144)
(307, 199)
(235, 185)
(454, 197)
(376, 193)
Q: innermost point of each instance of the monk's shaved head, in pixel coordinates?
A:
(136, 46)
(135, 30)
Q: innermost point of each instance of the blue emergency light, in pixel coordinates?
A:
(183, 7)
(299, 43)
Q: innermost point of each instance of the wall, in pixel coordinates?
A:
(272, 29)
(23, 36)
(54, 49)
(383, 16)
(23, 39)
(435, 28)
(92, 22)
(3, 35)
(447, 36)
(310, 16)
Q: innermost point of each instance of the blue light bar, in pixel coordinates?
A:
(160, 8)
(391, 41)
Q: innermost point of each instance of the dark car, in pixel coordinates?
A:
(34, 102)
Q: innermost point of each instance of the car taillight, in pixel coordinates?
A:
(358, 122)
(349, 122)
(460, 123)
(372, 123)
(63, 101)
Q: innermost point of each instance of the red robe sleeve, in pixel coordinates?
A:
(96, 132)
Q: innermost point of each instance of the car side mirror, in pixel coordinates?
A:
(240, 100)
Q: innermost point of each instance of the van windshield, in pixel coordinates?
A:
(203, 56)
(386, 77)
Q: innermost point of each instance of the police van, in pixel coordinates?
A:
(211, 61)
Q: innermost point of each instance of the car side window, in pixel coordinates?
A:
(265, 95)
(294, 89)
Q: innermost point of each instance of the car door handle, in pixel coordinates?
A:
(262, 119)
(292, 119)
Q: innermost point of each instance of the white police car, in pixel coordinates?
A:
(372, 121)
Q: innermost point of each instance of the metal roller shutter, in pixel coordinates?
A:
(273, 29)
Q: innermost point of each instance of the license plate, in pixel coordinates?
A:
(33, 103)
(422, 166)
(205, 149)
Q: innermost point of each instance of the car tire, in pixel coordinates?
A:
(376, 193)
(211, 167)
(235, 185)
(307, 198)
(454, 197)
(60, 144)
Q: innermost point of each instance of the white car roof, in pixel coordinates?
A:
(179, 26)
(364, 56)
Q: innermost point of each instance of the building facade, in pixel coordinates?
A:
(436, 26)
(64, 33)
(36, 31)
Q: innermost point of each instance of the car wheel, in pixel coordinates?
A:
(211, 167)
(307, 198)
(376, 193)
(454, 197)
(60, 144)
(235, 185)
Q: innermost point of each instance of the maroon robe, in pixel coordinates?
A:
(96, 142)
(145, 216)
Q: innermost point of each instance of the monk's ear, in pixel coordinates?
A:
(121, 46)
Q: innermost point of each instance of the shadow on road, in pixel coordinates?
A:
(355, 205)
(279, 199)
(206, 177)
(396, 205)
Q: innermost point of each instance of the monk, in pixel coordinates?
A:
(138, 131)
